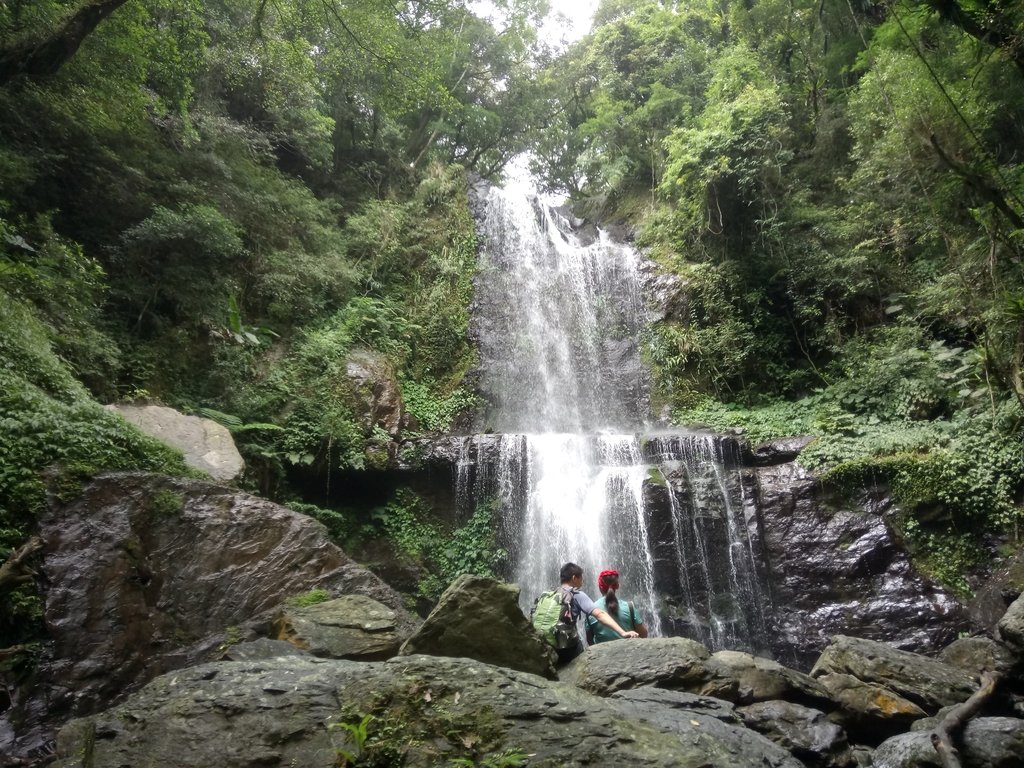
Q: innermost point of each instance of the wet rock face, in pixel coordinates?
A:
(147, 574)
(427, 710)
(839, 570)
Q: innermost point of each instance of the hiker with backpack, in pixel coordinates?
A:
(556, 613)
(622, 610)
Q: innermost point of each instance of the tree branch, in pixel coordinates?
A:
(15, 572)
(47, 55)
(976, 181)
(956, 719)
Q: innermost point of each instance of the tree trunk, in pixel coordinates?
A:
(15, 572)
(46, 55)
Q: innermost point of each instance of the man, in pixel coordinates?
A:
(572, 579)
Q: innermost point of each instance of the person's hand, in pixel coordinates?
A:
(630, 635)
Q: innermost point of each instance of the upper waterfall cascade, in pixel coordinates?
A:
(566, 452)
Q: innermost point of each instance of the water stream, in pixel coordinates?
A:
(566, 453)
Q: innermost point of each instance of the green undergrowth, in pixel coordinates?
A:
(408, 326)
(54, 437)
(419, 538)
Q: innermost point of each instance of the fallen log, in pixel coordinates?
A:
(957, 717)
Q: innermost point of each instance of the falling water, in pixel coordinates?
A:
(565, 455)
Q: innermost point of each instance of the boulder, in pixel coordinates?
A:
(207, 445)
(870, 711)
(480, 618)
(377, 396)
(977, 655)
(745, 679)
(1011, 626)
(986, 742)
(927, 682)
(676, 663)
(147, 574)
(806, 733)
(348, 627)
(662, 698)
(416, 711)
(779, 451)
(260, 649)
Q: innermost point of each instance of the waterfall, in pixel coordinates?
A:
(565, 451)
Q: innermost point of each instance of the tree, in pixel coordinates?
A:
(46, 53)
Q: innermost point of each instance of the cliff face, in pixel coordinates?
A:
(838, 568)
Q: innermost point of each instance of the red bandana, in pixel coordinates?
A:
(607, 579)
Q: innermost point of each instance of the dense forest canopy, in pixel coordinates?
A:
(214, 203)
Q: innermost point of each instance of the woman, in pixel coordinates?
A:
(622, 611)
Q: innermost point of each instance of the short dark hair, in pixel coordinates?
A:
(569, 572)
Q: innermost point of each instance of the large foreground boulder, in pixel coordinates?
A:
(1011, 626)
(147, 574)
(416, 711)
(480, 618)
(681, 664)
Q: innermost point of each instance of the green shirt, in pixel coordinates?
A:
(626, 620)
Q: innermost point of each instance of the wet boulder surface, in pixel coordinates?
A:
(145, 574)
(423, 711)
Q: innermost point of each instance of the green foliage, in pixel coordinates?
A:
(49, 422)
(435, 413)
(358, 734)
(426, 722)
(446, 552)
(313, 597)
(166, 503)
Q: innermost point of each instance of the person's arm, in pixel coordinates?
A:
(612, 624)
(639, 626)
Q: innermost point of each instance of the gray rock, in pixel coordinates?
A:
(147, 574)
(927, 682)
(207, 445)
(842, 571)
(661, 698)
(348, 627)
(986, 742)
(977, 655)
(424, 712)
(779, 451)
(480, 618)
(804, 732)
(1011, 626)
(377, 397)
(260, 649)
(869, 709)
(745, 679)
(676, 663)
